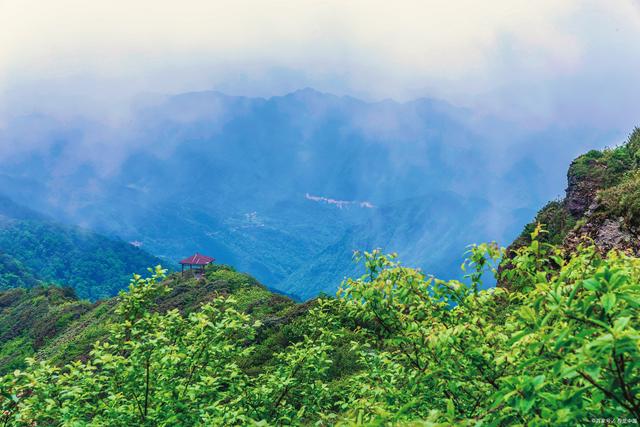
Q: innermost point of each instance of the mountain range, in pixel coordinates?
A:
(289, 186)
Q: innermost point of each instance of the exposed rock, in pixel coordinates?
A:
(584, 217)
(605, 234)
(581, 192)
(611, 235)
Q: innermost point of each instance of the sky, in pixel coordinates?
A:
(533, 61)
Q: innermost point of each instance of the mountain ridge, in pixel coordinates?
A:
(52, 323)
(188, 172)
(36, 250)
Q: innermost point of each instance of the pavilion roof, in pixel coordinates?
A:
(197, 259)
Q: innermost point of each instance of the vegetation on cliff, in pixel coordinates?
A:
(602, 203)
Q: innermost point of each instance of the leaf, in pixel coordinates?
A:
(591, 284)
(621, 323)
(450, 408)
(608, 300)
(618, 280)
(538, 382)
(527, 314)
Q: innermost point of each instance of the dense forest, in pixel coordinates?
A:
(35, 249)
(14, 274)
(555, 343)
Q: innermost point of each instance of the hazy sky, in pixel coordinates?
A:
(575, 60)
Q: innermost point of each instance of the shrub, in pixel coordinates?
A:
(623, 200)
(559, 347)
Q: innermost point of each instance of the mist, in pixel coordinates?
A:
(535, 62)
(420, 127)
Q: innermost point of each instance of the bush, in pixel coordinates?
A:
(558, 347)
(623, 200)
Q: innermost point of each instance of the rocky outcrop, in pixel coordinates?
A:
(601, 206)
(581, 191)
(606, 234)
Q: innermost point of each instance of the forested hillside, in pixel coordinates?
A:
(417, 225)
(14, 274)
(35, 249)
(53, 324)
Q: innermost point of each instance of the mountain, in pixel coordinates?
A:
(222, 349)
(52, 323)
(35, 249)
(273, 186)
(419, 228)
(601, 206)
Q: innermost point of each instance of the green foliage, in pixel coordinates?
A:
(557, 221)
(558, 347)
(14, 275)
(582, 166)
(604, 167)
(612, 175)
(42, 251)
(227, 274)
(30, 318)
(619, 196)
(623, 200)
(633, 145)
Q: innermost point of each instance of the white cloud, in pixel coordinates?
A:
(467, 51)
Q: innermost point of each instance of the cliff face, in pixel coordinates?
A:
(602, 202)
(582, 189)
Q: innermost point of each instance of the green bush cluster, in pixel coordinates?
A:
(558, 222)
(228, 274)
(604, 167)
(558, 347)
(623, 200)
(633, 145)
(613, 173)
(608, 166)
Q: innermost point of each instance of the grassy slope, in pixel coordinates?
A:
(53, 324)
(31, 318)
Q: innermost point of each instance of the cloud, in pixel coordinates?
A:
(504, 55)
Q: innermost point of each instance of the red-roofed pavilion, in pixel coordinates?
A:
(200, 261)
